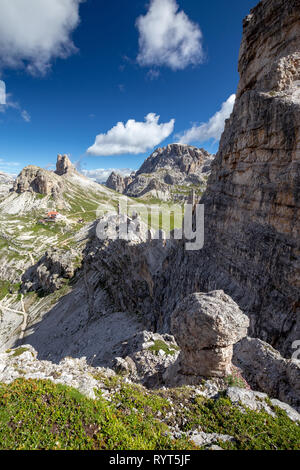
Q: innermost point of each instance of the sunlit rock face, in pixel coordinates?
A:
(64, 165)
(37, 180)
(252, 202)
(253, 197)
(169, 173)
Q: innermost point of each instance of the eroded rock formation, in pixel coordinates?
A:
(38, 180)
(253, 197)
(64, 165)
(168, 174)
(118, 183)
(206, 326)
(50, 273)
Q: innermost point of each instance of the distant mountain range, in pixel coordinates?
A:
(169, 173)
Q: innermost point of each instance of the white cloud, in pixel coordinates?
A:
(34, 32)
(10, 168)
(168, 37)
(213, 128)
(10, 104)
(2, 92)
(153, 74)
(133, 137)
(101, 174)
(5, 163)
(26, 116)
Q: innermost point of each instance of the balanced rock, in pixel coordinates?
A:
(206, 326)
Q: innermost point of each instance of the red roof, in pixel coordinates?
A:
(52, 213)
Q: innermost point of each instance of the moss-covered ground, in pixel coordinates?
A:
(41, 415)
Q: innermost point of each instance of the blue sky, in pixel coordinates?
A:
(107, 68)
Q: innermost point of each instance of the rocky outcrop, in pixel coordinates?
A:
(266, 370)
(126, 266)
(50, 273)
(118, 183)
(206, 326)
(169, 173)
(145, 357)
(269, 58)
(257, 401)
(37, 180)
(64, 165)
(23, 362)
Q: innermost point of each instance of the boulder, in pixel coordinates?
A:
(206, 326)
(265, 369)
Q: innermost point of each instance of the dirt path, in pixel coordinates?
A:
(25, 319)
(24, 313)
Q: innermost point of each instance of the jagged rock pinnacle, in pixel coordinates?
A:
(64, 165)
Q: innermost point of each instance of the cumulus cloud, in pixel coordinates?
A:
(168, 37)
(213, 128)
(100, 175)
(34, 32)
(132, 137)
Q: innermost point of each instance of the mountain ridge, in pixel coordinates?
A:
(169, 173)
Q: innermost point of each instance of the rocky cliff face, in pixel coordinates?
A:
(168, 173)
(176, 157)
(64, 165)
(252, 202)
(38, 180)
(253, 197)
(118, 183)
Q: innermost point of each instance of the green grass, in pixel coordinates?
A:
(252, 430)
(18, 352)
(234, 381)
(41, 415)
(161, 345)
(4, 288)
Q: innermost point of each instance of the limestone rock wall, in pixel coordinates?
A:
(38, 180)
(64, 165)
(253, 196)
(252, 202)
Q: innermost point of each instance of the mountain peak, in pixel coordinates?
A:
(180, 157)
(64, 165)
